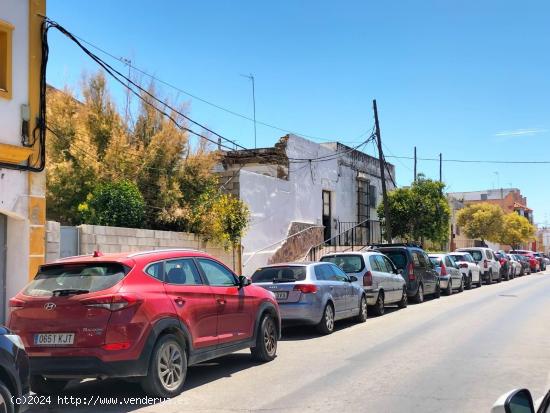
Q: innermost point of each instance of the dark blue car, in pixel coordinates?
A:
(14, 371)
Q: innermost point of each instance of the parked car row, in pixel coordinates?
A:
(150, 315)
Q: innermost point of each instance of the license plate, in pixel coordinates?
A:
(54, 339)
(281, 295)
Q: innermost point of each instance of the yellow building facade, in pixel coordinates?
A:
(22, 178)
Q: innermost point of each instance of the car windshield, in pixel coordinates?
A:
(347, 262)
(398, 258)
(68, 279)
(279, 274)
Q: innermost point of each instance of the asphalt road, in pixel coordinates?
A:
(455, 354)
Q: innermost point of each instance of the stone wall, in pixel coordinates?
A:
(296, 247)
(116, 239)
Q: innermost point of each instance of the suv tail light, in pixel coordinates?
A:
(443, 269)
(367, 279)
(113, 302)
(485, 264)
(16, 303)
(502, 261)
(410, 270)
(306, 288)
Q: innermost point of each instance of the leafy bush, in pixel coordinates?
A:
(118, 204)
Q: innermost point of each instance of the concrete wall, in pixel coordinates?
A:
(115, 239)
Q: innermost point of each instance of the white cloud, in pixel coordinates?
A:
(521, 132)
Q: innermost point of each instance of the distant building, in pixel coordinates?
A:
(22, 183)
(296, 203)
(509, 199)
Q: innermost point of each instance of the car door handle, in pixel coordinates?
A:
(179, 301)
(221, 301)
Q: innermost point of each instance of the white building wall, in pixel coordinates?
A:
(276, 203)
(14, 184)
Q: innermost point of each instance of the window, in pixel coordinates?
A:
(416, 259)
(5, 59)
(374, 264)
(448, 262)
(389, 264)
(155, 270)
(347, 262)
(384, 267)
(79, 278)
(182, 272)
(398, 258)
(484, 197)
(216, 274)
(338, 273)
(423, 260)
(279, 274)
(323, 272)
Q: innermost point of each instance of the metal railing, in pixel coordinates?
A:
(351, 236)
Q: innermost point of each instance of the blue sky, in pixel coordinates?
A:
(469, 78)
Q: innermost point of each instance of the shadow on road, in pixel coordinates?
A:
(116, 388)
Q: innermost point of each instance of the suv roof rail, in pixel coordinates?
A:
(398, 244)
(138, 253)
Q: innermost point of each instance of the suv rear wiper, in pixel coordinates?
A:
(68, 291)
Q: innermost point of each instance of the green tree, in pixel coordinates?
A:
(481, 221)
(419, 212)
(229, 219)
(516, 230)
(118, 204)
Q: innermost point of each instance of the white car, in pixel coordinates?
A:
(469, 268)
(516, 265)
(376, 273)
(521, 401)
(488, 263)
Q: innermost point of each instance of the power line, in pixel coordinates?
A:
(172, 86)
(471, 160)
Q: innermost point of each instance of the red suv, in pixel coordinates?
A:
(145, 314)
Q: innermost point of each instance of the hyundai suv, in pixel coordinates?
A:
(146, 314)
(417, 269)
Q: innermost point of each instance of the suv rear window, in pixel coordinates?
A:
(399, 258)
(476, 255)
(75, 279)
(279, 274)
(347, 262)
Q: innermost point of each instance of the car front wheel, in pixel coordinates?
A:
(266, 340)
(167, 368)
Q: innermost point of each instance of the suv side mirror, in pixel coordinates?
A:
(352, 278)
(516, 401)
(398, 271)
(244, 281)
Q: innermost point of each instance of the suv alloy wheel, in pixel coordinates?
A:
(167, 368)
(266, 340)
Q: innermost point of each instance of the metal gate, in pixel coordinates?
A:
(69, 242)
(3, 258)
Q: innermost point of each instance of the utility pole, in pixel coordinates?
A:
(382, 173)
(251, 77)
(415, 164)
(440, 168)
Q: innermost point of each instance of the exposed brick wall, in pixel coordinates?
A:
(296, 248)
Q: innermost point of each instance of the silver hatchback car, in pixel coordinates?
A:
(313, 293)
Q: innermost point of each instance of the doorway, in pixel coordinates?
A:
(327, 215)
